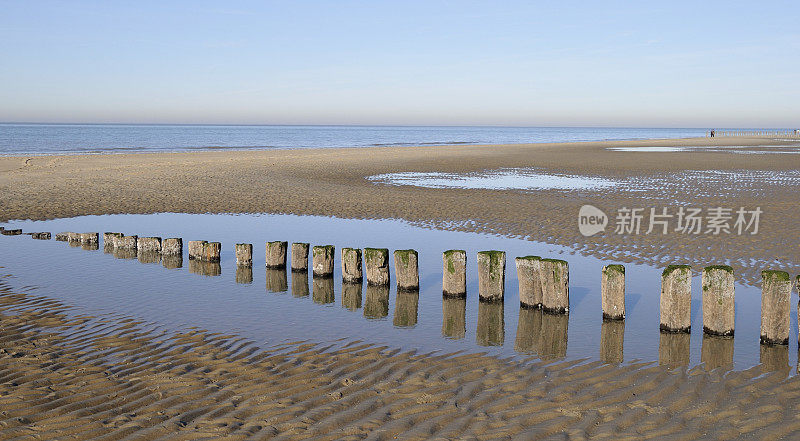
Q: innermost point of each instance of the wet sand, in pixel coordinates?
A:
(66, 375)
(63, 374)
(333, 182)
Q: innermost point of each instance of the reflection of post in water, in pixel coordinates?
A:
(491, 324)
(774, 358)
(276, 280)
(172, 262)
(612, 335)
(123, 253)
(204, 268)
(529, 330)
(89, 246)
(376, 303)
(405, 308)
(299, 283)
(148, 256)
(244, 274)
(323, 290)
(673, 349)
(454, 317)
(351, 295)
(717, 352)
(554, 336)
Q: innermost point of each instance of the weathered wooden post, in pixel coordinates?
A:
(776, 289)
(300, 257)
(244, 256)
(62, 237)
(72, 236)
(109, 240)
(454, 273)
(204, 251)
(454, 317)
(172, 246)
(612, 292)
(718, 300)
(530, 281)
(148, 244)
(406, 269)
(676, 298)
(377, 266)
(41, 236)
(276, 254)
(126, 243)
(322, 260)
(351, 266)
(91, 238)
(491, 275)
(555, 286)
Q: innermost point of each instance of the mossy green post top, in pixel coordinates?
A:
(491, 275)
(670, 268)
(454, 273)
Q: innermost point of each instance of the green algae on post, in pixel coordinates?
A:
(322, 258)
(530, 281)
(718, 300)
(555, 286)
(454, 273)
(491, 275)
(376, 263)
(776, 290)
(676, 299)
(406, 269)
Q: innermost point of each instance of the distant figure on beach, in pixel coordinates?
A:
(712, 133)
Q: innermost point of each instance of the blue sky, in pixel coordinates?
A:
(678, 63)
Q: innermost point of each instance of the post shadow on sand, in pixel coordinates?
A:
(673, 349)
(612, 337)
(322, 292)
(405, 308)
(717, 352)
(244, 274)
(454, 317)
(276, 280)
(376, 302)
(300, 284)
(491, 324)
(352, 295)
(204, 268)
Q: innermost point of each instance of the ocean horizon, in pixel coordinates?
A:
(59, 138)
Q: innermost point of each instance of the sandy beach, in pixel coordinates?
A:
(67, 374)
(333, 182)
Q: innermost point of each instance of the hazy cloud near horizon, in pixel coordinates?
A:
(689, 64)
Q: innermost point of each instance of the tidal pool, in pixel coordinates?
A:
(502, 179)
(274, 306)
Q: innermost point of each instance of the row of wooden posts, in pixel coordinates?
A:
(756, 133)
(543, 283)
